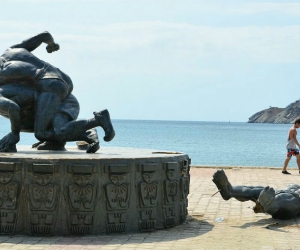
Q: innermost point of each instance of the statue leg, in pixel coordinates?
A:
(83, 130)
(58, 109)
(11, 110)
(241, 193)
(103, 119)
(67, 128)
(79, 130)
(45, 111)
(52, 93)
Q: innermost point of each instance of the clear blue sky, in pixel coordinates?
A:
(202, 60)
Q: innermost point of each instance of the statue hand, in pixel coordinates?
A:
(53, 47)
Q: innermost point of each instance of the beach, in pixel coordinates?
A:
(212, 223)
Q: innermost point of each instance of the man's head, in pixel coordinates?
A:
(297, 123)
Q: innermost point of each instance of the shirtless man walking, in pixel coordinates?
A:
(291, 147)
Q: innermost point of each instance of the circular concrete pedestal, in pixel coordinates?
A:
(115, 190)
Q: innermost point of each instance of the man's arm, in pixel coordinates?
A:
(293, 136)
(32, 43)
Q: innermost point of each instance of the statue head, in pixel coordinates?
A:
(171, 175)
(42, 179)
(117, 179)
(148, 177)
(5, 177)
(82, 179)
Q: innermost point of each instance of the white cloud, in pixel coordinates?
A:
(164, 47)
(289, 8)
(60, 1)
(260, 44)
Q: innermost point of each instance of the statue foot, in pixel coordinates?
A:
(8, 142)
(266, 197)
(93, 148)
(57, 146)
(222, 183)
(9, 149)
(104, 121)
(35, 145)
(92, 140)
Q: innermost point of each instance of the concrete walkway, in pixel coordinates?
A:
(212, 222)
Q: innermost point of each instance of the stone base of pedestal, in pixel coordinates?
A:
(115, 190)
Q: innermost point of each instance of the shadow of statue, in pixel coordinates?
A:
(271, 224)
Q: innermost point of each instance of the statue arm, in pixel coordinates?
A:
(34, 42)
(10, 109)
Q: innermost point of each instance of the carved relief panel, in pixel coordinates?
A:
(117, 193)
(148, 196)
(43, 193)
(82, 198)
(9, 194)
(170, 193)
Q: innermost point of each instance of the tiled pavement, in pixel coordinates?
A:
(212, 222)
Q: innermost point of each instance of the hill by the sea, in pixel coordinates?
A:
(277, 115)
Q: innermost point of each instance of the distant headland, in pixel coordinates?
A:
(277, 115)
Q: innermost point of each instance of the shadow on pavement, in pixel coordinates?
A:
(194, 226)
(272, 224)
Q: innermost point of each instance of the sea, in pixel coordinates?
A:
(206, 143)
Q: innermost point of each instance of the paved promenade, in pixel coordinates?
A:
(212, 222)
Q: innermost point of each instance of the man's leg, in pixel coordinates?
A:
(298, 161)
(241, 193)
(286, 162)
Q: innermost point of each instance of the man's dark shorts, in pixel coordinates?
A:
(292, 152)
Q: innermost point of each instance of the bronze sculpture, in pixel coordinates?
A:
(281, 204)
(37, 97)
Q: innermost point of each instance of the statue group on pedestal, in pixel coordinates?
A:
(37, 97)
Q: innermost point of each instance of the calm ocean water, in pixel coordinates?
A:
(207, 143)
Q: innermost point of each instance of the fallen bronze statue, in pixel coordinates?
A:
(281, 204)
(37, 97)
